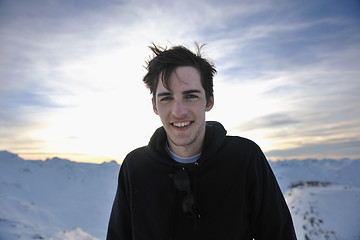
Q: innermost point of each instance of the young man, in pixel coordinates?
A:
(192, 181)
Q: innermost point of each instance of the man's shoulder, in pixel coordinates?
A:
(136, 153)
(238, 141)
(135, 158)
(244, 149)
(142, 156)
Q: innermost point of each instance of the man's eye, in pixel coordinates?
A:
(164, 99)
(191, 96)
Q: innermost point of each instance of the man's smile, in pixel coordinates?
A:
(181, 124)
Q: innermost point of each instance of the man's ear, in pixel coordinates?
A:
(210, 104)
(154, 106)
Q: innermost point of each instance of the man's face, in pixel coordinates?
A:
(182, 110)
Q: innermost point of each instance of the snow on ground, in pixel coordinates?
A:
(59, 199)
(323, 197)
(76, 233)
(42, 199)
(322, 213)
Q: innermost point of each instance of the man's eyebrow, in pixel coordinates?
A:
(191, 91)
(161, 94)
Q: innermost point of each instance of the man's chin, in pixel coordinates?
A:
(181, 142)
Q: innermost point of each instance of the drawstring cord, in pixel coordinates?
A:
(194, 185)
(172, 220)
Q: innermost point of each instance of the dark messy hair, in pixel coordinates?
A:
(164, 62)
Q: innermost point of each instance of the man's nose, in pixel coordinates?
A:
(179, 109)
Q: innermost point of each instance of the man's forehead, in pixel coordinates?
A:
(181, 79)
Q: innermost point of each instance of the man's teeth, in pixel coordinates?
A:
(182, 124)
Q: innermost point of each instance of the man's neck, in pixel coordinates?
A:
(184, 151)
(179, 159)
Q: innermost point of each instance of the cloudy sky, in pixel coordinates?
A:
(71, 73)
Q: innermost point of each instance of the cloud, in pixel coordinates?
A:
(297, 81)
(70, 73)
(269, 121)
(325, 150)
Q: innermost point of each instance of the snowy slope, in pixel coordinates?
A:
(59, 199)
(323, 197)
(322, 213)
(41, 198)
(343, 172)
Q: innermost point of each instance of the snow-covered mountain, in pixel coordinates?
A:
(59, 199)
(55, 199)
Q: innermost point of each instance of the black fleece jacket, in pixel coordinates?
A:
(236, 193)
